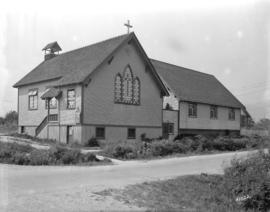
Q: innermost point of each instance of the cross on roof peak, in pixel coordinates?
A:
(128, 26)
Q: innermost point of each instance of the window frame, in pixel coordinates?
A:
(33, 96)
(215, 112)
(231, 114)
(104, 133)
(71, 108)
(194, 110)
(128, 133)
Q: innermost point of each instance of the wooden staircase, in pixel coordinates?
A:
(40, 127)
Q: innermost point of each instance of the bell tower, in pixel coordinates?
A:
(51, 50)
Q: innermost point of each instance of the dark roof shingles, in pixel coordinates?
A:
(194, 86)
(73, 66)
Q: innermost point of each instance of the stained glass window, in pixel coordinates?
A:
(136, 91)
(127, 89)
(127, 86)
(118, 88)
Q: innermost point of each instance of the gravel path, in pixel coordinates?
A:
(71, 188)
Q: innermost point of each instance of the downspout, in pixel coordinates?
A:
(48, 117)
(18, 112)
(162, 116)
(178, 118)
(59, 131)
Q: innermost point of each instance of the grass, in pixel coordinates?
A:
(14, 153)
(245, 186)
(188, 193)
(8, 129)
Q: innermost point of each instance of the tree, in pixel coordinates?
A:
(263, 124)
(2, 120)
(11, 117)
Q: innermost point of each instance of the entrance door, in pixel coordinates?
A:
(69, 134)
(168, 129)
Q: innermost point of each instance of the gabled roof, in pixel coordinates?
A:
(53, 46)
(76, 66)
(73, 66)
(194, 86)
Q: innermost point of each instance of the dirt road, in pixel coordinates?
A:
(70, 188)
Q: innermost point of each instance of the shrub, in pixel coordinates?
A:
(92, 142)
(20, 158)
(124, 151)
(248, 182)
(180, 147)
(162, 148)
(71, 156)
(26, 155)
(144, 138)
(40, 157)
(90, 157)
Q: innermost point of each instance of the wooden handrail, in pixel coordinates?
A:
(41, 125)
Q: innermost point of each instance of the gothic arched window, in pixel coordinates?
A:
(118, 88)
(136, 91)
(127, 85)
(127, 88)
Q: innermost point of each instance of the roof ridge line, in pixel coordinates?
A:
(94, 43)
(182, 67)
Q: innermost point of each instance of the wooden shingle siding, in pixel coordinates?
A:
(99, 106)
(203, 121)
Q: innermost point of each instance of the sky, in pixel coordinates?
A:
(229, 39)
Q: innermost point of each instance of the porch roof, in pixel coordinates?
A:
(51, 93)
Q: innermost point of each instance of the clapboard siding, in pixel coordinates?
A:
(99, 106)
(203, 120)
(34, 117)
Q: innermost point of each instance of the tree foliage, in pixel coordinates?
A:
(10, 118)
(263, 124)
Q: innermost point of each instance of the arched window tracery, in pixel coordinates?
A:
(127, 88)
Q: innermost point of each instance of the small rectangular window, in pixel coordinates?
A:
(22, 129)
(213, 112)
(71, 99)
(100, 132)
(231, 114)
(131, 133)
(33, 99)
(192, 110)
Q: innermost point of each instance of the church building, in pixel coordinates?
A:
(112, 90)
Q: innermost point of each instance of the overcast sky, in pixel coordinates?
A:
(228, 38)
